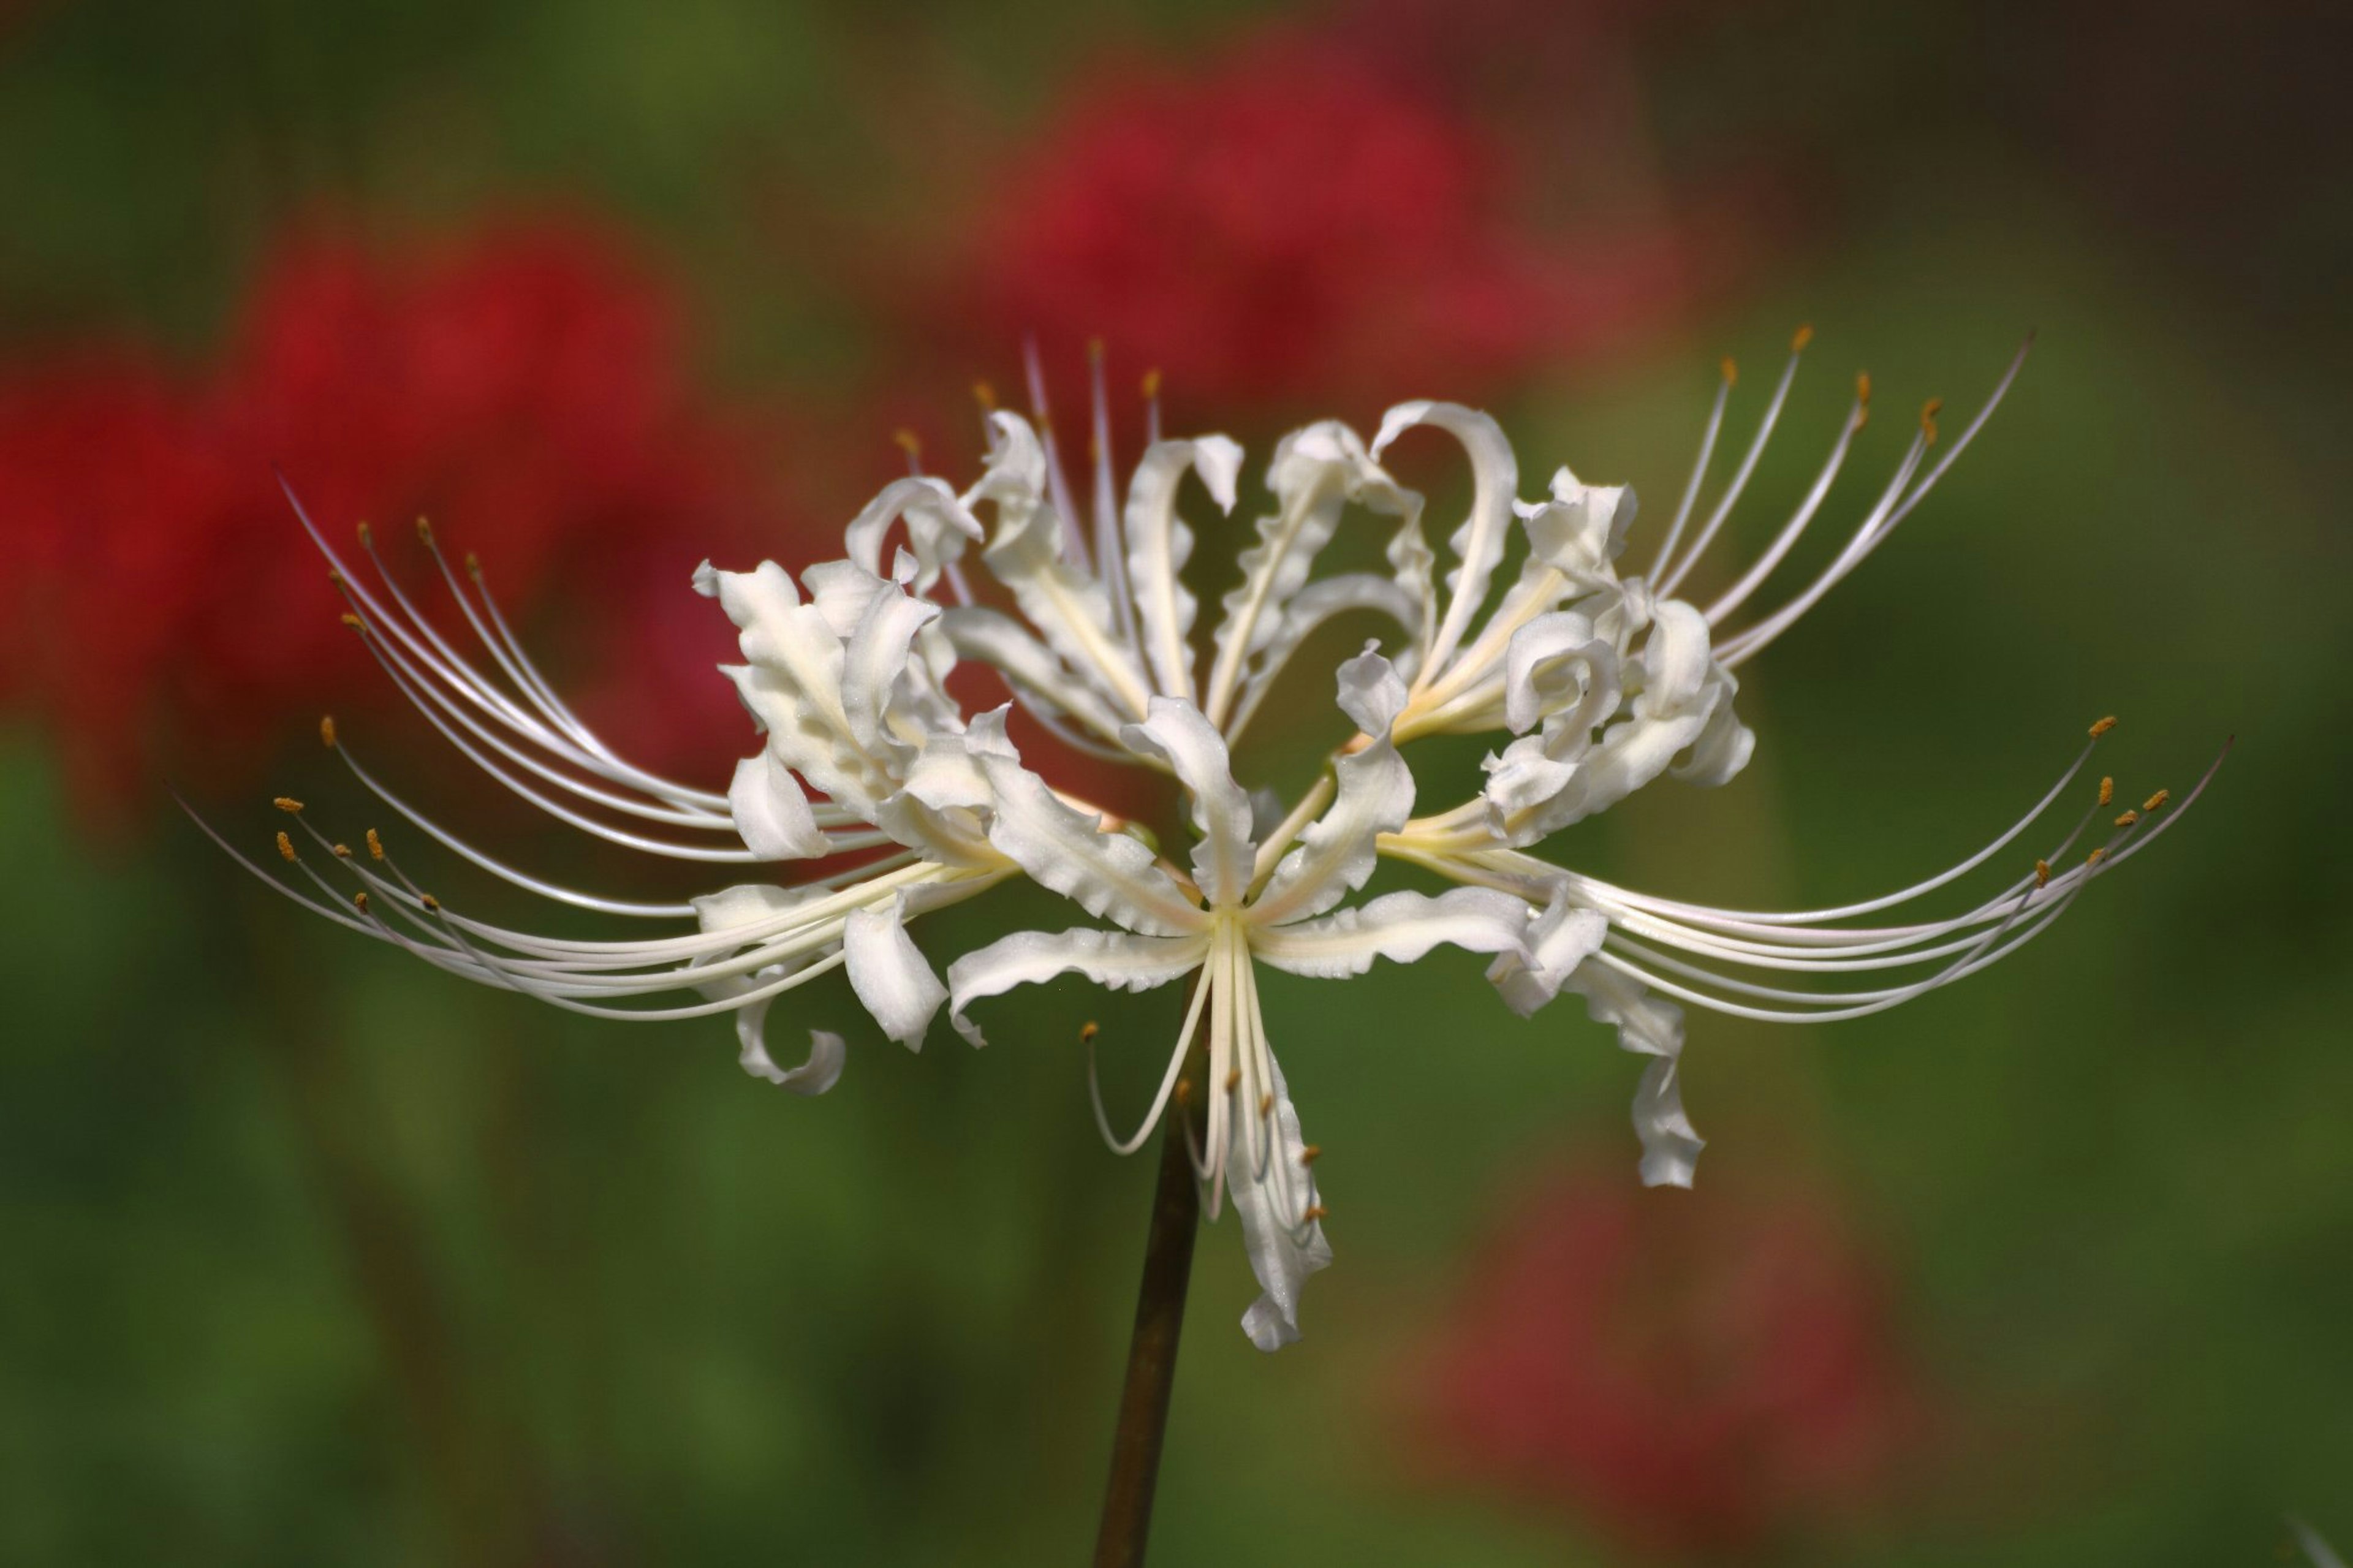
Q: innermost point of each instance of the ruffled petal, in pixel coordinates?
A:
(1071, 608)
(1119, 960)
(938, 526)
(1337, 853)
(827, 1051)
(1319, 602)
(1315, 473)
(1178, 735)
(1562, 937)
(890, 974)
(1399, 927)
(756, 904)
(1580, 530)
(1108, 875)
(1282, 1250)
(998, 640)
(791, 683)
(1651, 1026)
(1158, 545)
(772, 814)
(1555, 665)
(1478, 544)
(1679, 686)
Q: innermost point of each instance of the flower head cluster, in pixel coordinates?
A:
(873, 771)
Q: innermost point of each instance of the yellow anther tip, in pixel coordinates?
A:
(353, 622)
(1151, 385)
(2107, 790)
(1312, 1213)
(2128, 819)
(432, 904)
(367, 534)
(907, 442)
(1311, 1153)
(287, 802)
(1731, 370)
(286, 846)
(473, 565)
(986, 396)
(1863, 388)
(342, 851)
(2094, 857)
(327, 730)
(2042, 873)
(2103, 726)
(375, 845)
(1095, 351)
(2158, 800)
(1800, 338)
(423, 531)
(358, 901)
(1233, 1079)
(1088, 1031)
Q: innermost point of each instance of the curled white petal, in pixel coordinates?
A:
(771, 813)
(1559, 939)
(1119, 960)
(890, 973)
(1178, 734)
(1158, 545)
(1337, 853)
(1372, 693)
(1106, 874)
(938, 526)
(1399, 927)
(815, 1076)
(1478, 543)
(1651, 1026)
(1270, 1204)
(1556, 664)
(1581, 529)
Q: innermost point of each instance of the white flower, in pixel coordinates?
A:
(1242, 905)
(1593, 684)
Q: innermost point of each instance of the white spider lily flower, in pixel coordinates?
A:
(1245, 903)
(846, 682)
(1610, 682)
(889, 802)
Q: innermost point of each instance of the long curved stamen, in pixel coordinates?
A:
(718, 854)
(556, 891)
(435, 705)
(1058, 483)
(1740, 477)
(440, 667)
(1111, 547)
(1168, 1082)
(559, 712)
(1699, 469)
(1882, 521)
(1735, 596)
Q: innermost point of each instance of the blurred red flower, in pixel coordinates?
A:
(1298, 218)
(526, 387)
(1690, 1371)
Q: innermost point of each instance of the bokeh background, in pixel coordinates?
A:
(308, 1255)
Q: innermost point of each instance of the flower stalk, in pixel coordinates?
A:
(1143, 1422)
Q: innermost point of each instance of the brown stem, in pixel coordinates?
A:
(1150, 1355)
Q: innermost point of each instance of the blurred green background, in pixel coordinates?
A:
(308, 1256)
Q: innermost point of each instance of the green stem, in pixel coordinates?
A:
(1152, 1354)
